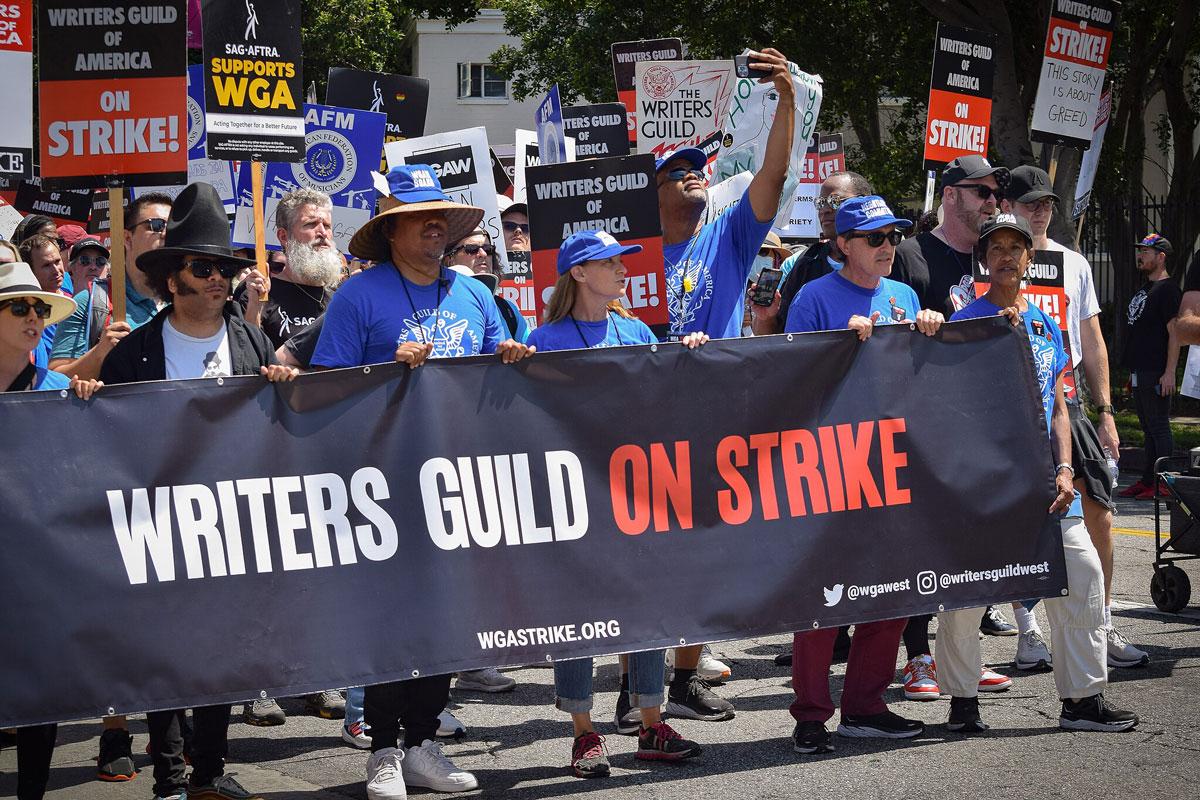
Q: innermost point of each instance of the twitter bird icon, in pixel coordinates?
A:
(833, 596)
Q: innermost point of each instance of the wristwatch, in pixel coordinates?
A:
(1060, 467)
(1108, 409)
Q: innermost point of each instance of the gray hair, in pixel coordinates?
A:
(291, 204)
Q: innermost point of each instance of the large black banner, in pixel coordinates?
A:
(379, 523)
(402, 98)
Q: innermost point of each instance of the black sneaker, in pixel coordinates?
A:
(880, 726)
(994, 623)
(115, 762)
(660, 742)
(784, 659)
(811, 738)
(1094, 714)
(627, 719)
(964, 716)
(694, 700)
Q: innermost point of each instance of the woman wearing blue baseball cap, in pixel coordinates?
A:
(585, 311)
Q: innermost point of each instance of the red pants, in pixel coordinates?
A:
(869, 672)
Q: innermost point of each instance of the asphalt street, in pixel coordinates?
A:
(518, 745)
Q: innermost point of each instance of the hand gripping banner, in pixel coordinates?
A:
(296, 537)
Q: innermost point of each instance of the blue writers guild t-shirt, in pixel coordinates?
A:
(569, 333)
(706, 275)
(1049, 357)
(377, 310)
(827, 304)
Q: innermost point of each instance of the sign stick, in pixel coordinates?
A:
(116, 229)
(1079, 230)
(1053, 163)
(260, 243)
(930, 182)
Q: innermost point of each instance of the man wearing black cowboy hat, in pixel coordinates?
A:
(199, 334)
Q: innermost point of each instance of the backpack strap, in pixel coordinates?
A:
(99, 311)
(509, 314)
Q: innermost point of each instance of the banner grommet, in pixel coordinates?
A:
(366, 370)
(549, 658)
(262, 694)
(112, 711)
(416, 673)
(220, 381)
(941, 608)
(816, 624)
(790, 336)
(63, 393)
(682, 642)
(653, 348)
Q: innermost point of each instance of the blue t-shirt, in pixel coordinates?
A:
(706, 275)
(569, 333)
(827, 303)
(71, 338)
(1049, 357)
(48, 379)
(377, 310)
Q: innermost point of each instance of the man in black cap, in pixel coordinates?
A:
(938, 265)
(1151, 355)
(199, 334)
(89, 260)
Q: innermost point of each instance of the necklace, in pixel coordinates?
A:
(413, 306)
(607, 325)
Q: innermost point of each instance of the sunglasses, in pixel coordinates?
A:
(877, 238)
(155, 224)
(513, 227)
(203, 269)
(831, 203)
(981, 191)
(20, 308)
(473, 249)
(87, 261)
(680, 174)
(275, 267)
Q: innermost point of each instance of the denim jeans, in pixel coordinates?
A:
(354, 705)
(573, 682)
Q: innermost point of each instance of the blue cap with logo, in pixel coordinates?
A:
(866, 213)
(694, 155)
(415, 183)
(591, 246)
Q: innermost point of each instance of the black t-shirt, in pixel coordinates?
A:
(304, 344)
(290, 308)
(941, 276)
(1149, 311)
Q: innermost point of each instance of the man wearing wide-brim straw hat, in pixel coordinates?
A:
(408, 308)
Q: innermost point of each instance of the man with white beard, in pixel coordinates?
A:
(302, 284)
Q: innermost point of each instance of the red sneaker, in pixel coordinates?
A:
(1148, 494)
(1133, 491)
(920, 679)
(990, 681)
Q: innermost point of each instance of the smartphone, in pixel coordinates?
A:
(742, 68)
(768, 284)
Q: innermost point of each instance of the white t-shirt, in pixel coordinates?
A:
(1081, 295)
(189, 357)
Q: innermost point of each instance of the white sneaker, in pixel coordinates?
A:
(490, 680)
(385, 775)
(1121, 653)
(710, 668)
(427, 766)
(448, 725)
(357, 734)
(1033, 652)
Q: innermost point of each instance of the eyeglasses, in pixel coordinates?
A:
(981, 191)
(473, 249)
(1040, 205)
(513, 227)
(681, 173)
(877, 238)
(20, 308)
(155, 224)
(276, 266)
(203, 269)
(831, 203)
(87, 261)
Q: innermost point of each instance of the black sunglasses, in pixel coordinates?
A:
(513, 227)
(20, 308)
(981, 191)
(833, 202)
(877, 238)
(202, 269)
(87, 261)
(472, 249)
(155, 224)
(681, 173)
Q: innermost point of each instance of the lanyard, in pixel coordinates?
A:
(413, 306)
(607, 323)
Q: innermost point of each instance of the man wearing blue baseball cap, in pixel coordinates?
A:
(706, 268)
(410, 308)
(859, 296)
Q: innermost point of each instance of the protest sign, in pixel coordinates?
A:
(112, 88)
(516, 284)
(501, 174)
(10, 218)
(526, 154)
(100, 222)
(599, 130)
(404, 99)
(832, 155)
(548, 122)
(723, 195)
(195, 33)
(462, 162)
(1091, 157)
(682, 104)
(16, 90)
(617, 195)
(748, 120)
(253, 85)
(63, 205)
(960, 95)
(625, 56)
(1079, 41)
(510, 483)
(802, 222)
(341, 145)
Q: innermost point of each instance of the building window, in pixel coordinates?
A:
(481, 80)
